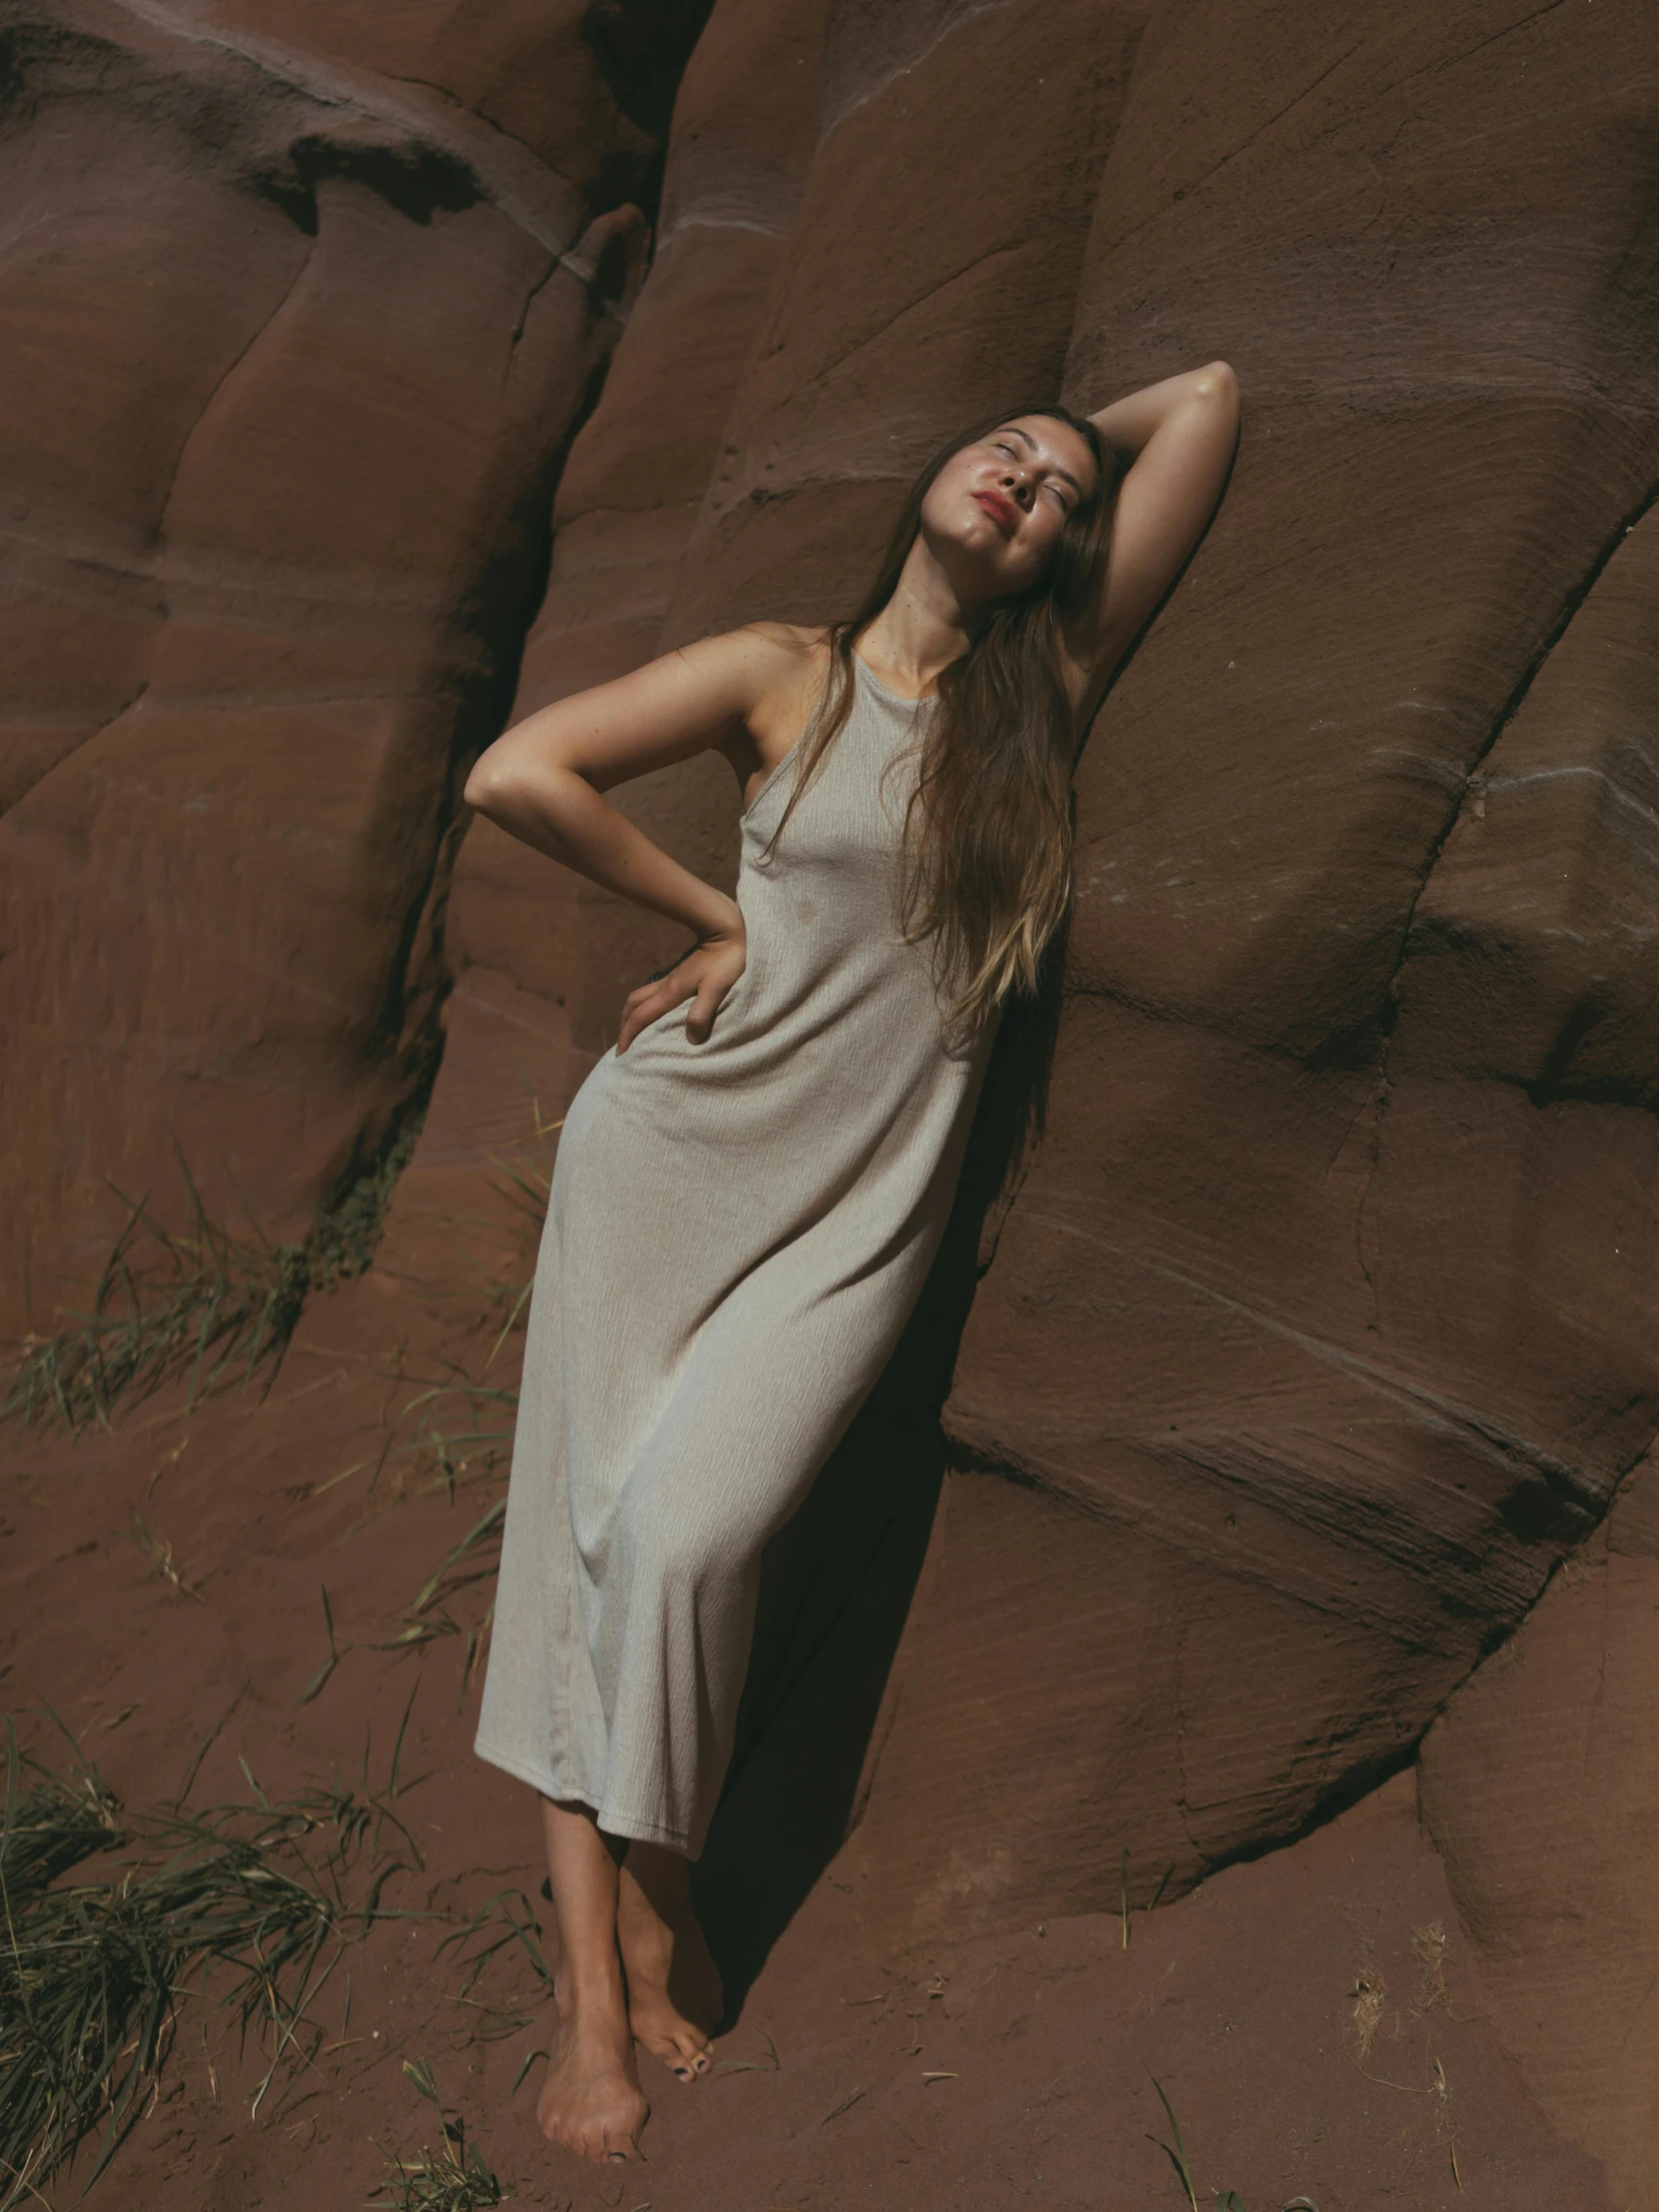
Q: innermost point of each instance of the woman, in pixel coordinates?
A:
(747, 1196)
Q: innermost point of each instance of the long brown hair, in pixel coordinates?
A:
(986, 853)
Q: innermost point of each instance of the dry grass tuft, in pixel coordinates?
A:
(453, 2179)
(1445, 2128)
(439, 1456)
(771, 2063)
(165, 1307)
(202, 1303)
(1370, 2001)
(92, 1971)
(475, 1559)
(1431, 1946)
(427, 1616)
(161, 1551)
(508, 1919)
(1123, 1895)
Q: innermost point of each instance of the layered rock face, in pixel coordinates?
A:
(1321, 1326)
(301, 305)
(1319, 1330)
(630, 494)
(1312, 1344)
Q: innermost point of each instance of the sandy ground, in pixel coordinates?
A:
(1314, 2017)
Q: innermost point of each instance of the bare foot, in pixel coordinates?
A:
(674, 1992)
(591, 2102)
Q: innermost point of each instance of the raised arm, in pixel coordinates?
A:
(544, 782)
(1178, 437)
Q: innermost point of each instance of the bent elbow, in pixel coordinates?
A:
(483, 789)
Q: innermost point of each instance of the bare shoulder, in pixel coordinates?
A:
(772, 673)
(775, 672)
(779, 659)
(748, 667)
(789, 641)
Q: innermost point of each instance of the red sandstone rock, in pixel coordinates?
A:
(292, 349)
(630, 494)
(1319, 1332)
(1317, 1337)
(911, 302)
(1541, 1790)
(1322, 1326)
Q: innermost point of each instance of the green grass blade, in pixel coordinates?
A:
(1178, 2156)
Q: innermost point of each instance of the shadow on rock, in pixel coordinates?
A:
(838, 1580)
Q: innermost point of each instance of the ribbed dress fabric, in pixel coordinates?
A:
(737, 1233)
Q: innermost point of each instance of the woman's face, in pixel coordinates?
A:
(995, 511)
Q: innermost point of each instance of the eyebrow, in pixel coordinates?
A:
(1014, 431)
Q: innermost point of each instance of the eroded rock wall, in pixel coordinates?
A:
(1321, 1326)
(745, 125)
(1318, 1334)
(1540, 1786)
(299, 312)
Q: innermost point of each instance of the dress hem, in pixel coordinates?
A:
(633, 1828)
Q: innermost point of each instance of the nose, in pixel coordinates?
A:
(1018, 486)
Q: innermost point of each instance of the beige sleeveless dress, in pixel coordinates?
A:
(736, 1235)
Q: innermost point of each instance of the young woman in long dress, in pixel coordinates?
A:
(749, 1188)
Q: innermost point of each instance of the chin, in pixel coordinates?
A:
(986, 541)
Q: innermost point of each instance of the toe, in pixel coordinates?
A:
(678, 2053)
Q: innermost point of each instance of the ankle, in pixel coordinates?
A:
(590, 1995)
(662, 1876)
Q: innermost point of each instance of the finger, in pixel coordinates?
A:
(633, 1019)
(640, 1006)
(646, 1005)
(664, 989)
(702, 1011)
(649, 1001)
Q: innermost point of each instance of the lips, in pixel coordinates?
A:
(1002, 511)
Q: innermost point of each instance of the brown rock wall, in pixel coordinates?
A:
(908, 304)
(1318, 1334)
(630, 494)
(862, 347)
(1316, 1326)
(529, 70)
(293, 350)
(1541, 1790)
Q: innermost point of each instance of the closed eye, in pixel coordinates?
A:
(1051, 485)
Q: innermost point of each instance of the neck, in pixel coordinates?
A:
(921, 629)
